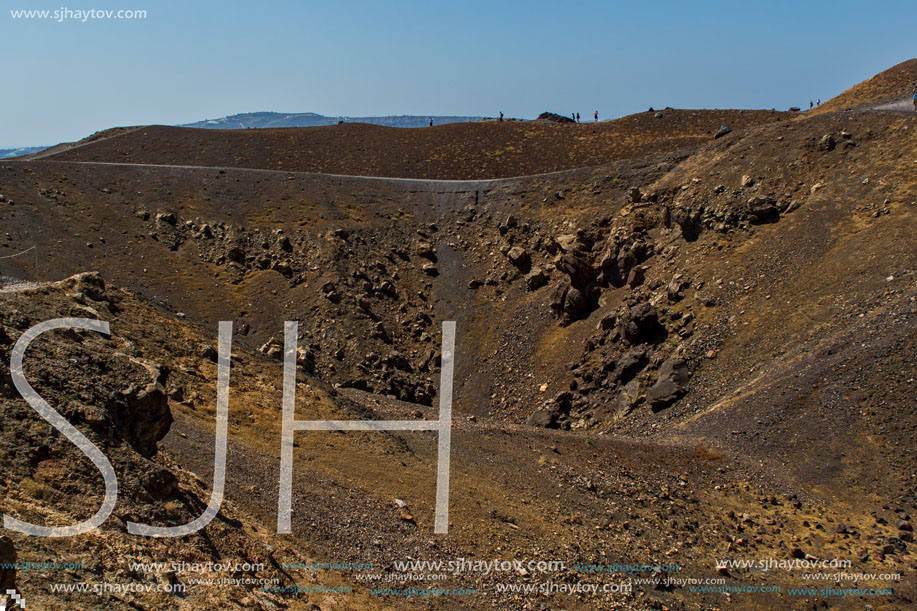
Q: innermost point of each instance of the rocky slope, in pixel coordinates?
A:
(703, 352)
(117, 394)
(897, 82)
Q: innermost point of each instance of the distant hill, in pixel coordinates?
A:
(27, 150)
(483, 149)
(261, 120)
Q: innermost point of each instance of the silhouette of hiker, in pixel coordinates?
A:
(577, 117)
(573, 114)
(810, 104)
(818, 102)
(431, 121)
(596, 116)
(501, 116)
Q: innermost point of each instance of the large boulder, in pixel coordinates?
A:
(628, 365)
(722, 131)
(142, 415)
(762, 210)
(554, 118)
(426, 250)
(576, 303)
(549, 415)
(689, 220)
(572, 242)
(519, 257)
(573, 300)
(305, 359)
(89, 284)
(640, 323)
(559, 297)
(608, 322)
(626, 399)
(644, 315)
(619, 259)
(160, 483)
(580, 272)
(273, 348)
(671, 384)
(536, 278)
(545, 417)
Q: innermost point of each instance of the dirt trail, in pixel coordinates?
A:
(15, 285)
(68, 146)
(422, 184)
(505, 501)
(904, 104)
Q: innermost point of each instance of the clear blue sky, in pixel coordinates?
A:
(194, 60)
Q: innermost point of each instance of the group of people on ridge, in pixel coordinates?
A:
(575, 116)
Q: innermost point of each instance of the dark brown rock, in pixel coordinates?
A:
(545, 417)
(762, 210)
(160, 483)
(536, 278)
(518, 256)
(142, 416)
(580, 272)
(629, 364)
(640, 323)
(671, 384)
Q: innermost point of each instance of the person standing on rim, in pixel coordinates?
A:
(596, 116)
(915, 98)
(501, 116)
(577, 117)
